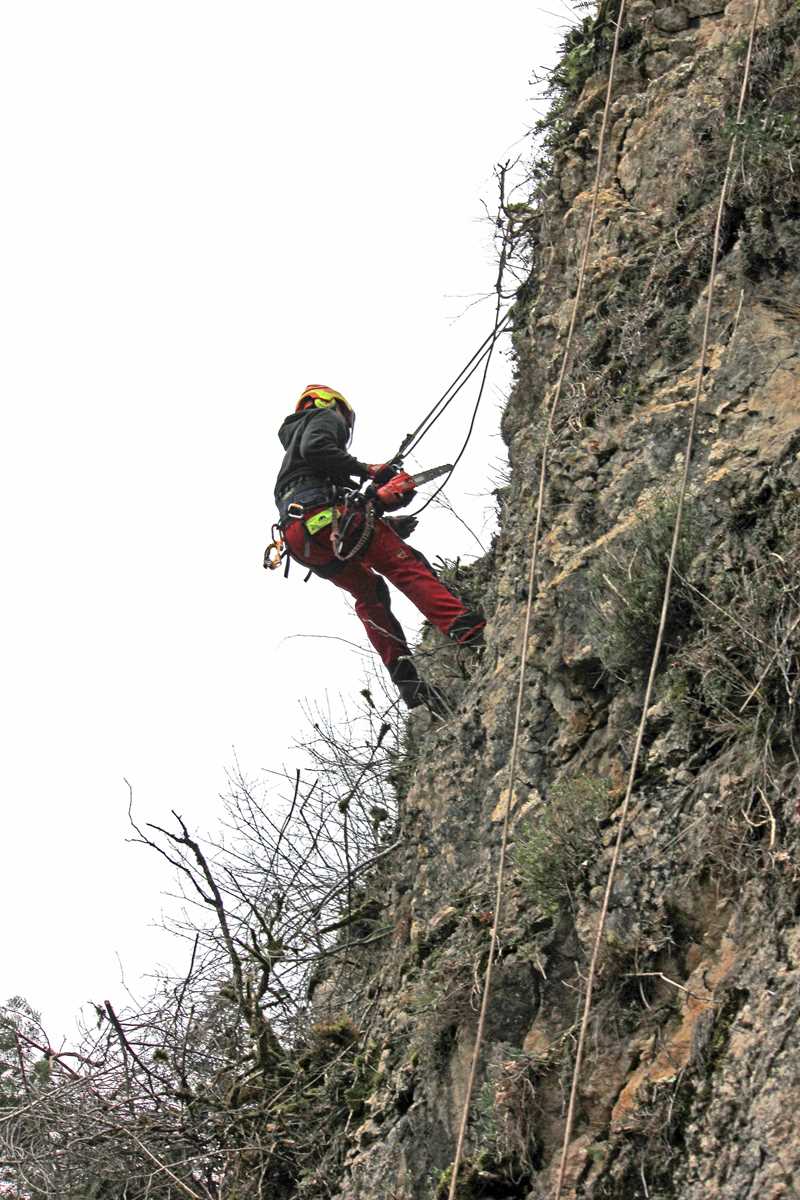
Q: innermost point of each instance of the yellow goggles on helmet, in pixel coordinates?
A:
(323, 397)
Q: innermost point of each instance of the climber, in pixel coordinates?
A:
(309, 492)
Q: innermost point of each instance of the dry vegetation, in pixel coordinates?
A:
(228, 1080)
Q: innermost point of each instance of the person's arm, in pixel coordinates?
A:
(320, 447)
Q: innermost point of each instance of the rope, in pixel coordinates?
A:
(486, 358)
(412, 440)
(512, 769)
(462, 451)
(662, 623)
(338, 536)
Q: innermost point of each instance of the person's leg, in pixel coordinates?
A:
(411, 574)
(373, 602)
(310, 551)
(373, 609)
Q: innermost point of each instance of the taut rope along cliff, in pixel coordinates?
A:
(512, 768)
(687, 458)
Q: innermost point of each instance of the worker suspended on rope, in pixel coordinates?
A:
(348, 539)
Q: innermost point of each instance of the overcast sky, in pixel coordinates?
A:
(206, 207)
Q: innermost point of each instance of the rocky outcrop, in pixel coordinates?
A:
(691, 1082)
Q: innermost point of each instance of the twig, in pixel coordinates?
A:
(162, 1166)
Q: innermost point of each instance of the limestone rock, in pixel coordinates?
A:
(671, 20)
(691, 1083)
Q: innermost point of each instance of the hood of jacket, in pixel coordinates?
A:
(290, 424)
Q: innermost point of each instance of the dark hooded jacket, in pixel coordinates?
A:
(316, 456)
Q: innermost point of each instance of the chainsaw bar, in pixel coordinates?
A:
(421, 477)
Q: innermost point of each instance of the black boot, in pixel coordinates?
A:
(467, 630)
(415, 691)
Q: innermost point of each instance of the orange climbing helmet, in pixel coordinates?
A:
(317, 395)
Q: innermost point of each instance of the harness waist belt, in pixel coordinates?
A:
(293, 502)
(303, 483)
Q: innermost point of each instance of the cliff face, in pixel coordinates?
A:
(691, 1082)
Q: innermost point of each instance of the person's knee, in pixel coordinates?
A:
(370, 603)
(420, 557)
(382, 594)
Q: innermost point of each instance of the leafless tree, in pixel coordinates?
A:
(219, 1083)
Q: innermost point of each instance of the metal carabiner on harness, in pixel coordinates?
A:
(275, 551)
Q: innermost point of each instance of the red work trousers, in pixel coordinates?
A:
(387, 555)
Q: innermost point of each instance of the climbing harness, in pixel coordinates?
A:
(319, 396)
(362, 508)
(352, 513)
(321, 520)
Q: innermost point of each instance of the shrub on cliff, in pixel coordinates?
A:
(552, 849)
(627, 587)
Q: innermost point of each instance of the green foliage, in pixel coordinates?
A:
(770, 130)
(578, 59)
(365, 1072)
(585, 50)
(441, 1183)
(734, 689)
(509, 1114)
(627, 586)
(441, 1000)
(327, 1038)
(551, 849)
(339, 1032)
(19, 1023)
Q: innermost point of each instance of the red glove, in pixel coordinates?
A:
(397, 492)
(381, 472)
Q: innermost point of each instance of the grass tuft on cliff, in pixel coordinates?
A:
(552, 849)
(626, 585)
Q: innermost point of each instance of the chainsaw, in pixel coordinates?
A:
(389, 493)
(402, 483)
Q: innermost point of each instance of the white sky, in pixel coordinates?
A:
(206, 207)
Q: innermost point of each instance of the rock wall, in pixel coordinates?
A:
(691, 1082)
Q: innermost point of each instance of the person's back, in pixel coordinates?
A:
(315, 442)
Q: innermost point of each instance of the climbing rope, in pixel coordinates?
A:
(486, 358)
(512, 769)
(339, 533)
(412, 440)
(662, 623)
